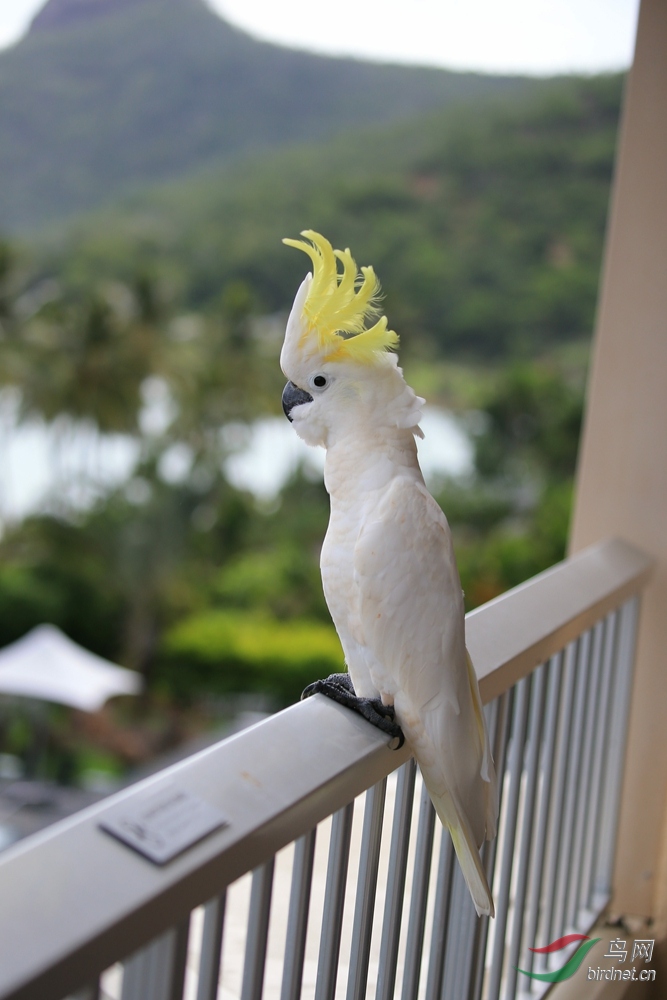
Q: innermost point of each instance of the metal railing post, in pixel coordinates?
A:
(334, 902)
(297, 918)
(211, 948)
(258, 931)
(391, 924)
(364, 909)
(157, 972)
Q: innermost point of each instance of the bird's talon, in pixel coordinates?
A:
(336, 686)
(339, 688)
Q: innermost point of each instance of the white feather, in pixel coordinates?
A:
(393, 589)
(391, 583)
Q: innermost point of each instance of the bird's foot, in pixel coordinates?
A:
(339, 688)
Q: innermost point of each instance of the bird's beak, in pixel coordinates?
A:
(293, 396)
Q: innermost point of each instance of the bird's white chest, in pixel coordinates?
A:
(342, 593)
(337, 564)
(358, 478)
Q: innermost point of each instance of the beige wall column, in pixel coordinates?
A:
(622, 476)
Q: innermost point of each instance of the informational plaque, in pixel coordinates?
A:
(161, 825)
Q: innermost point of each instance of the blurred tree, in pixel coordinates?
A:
(86, 359)
(534, 417)
(114, 577)
(6, 289)
(511, 521)
(237, 651)
(485, 226)
(486, 231)
(270, 588)
(218, 373)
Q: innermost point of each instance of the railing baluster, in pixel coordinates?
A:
(602, 720)
(297, 920)
(139, 981)
(520, 714)
(556, 804)
(599, 886)
(625, 635)
(481, 933)
(90, 992)
(453, 932)
(583, 803)
(180, 958)
(498, 719)
(524, 851)
(564, 847)
(398, 860)
(436, 962)
(462, 921)
(419, 897)
(555, 669)
(334, 902)
(211, 948)
(258, 931)
(157, 972)
(364, 909)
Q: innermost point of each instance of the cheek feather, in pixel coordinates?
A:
(308, 427)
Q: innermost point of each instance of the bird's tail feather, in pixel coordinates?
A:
(467, 853)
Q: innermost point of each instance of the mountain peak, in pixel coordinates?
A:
(63, 13)
(105, 97)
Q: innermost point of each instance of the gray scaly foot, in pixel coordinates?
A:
(339, 688)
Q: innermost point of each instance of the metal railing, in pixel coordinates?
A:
(332, 878)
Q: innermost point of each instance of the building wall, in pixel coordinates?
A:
(622, 475)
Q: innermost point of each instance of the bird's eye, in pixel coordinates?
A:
(320, 381)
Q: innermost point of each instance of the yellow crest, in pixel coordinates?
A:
(338, 305)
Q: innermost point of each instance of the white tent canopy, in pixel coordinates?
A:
(45, 664)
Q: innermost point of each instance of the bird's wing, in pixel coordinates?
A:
(410, 608)
(410, 604)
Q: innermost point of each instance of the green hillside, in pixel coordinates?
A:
(104, 96)
(485, 227)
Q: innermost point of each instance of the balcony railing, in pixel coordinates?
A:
(255, 908)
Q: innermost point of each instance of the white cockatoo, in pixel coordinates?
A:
(388, 568)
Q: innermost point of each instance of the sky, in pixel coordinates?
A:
(539, 37)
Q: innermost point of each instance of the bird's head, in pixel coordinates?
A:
(342, 372)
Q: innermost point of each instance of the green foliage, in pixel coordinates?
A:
(51, 572)
(283, 582)
(116, 575)
(534, 416)
(221, 650)
(126, 94)
(515, 550)
(83, 359)
(478, 505)
(486, 228)
(26, 600)
(6, 296)
(151, 554)
(512, 521)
